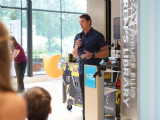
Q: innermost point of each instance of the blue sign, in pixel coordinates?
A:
(90, 81)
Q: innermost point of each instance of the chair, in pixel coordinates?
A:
(37, 67)
(51, 65)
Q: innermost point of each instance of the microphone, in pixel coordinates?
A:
(80, 35)
(104, 62)
(102, 66)
(83, 42)
(112, 44)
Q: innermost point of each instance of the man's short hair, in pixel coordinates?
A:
(87, 17)
(38, 102)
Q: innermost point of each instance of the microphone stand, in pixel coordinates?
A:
(96, 52)
(99, 68)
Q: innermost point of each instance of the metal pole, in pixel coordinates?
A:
(29, 38)
(61, 24)
(21, 23)
(108, 23)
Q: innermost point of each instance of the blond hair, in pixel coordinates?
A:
(3, 33)
(4, 60)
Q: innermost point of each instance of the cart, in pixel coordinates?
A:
(71, 85)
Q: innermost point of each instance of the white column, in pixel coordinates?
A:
(97, 11)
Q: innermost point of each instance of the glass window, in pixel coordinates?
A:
(46, 4)
(46, 38)
(74, 6)
(12, 20)
(11, 3)
(24, 4)
(70, 27)
(50, 34)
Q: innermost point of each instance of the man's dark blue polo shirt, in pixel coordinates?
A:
(92, 42)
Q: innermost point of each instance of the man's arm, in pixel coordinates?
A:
(102, 54)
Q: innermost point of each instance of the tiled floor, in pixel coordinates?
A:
(59, 110)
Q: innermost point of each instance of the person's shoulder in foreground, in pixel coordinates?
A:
(38, 102)
(13, 107)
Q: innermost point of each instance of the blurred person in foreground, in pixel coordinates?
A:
(12, 106)
(39, 103)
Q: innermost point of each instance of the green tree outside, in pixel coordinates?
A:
(48, 24)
